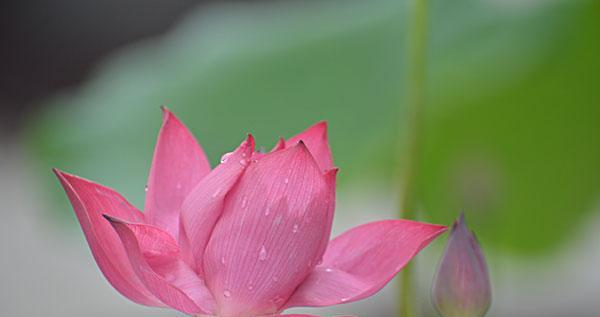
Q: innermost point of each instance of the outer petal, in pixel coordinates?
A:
(204, 205)
(154, 255)
(315, 139)
(89, 201)
(361, 261)
(269, 236)
(179, 164)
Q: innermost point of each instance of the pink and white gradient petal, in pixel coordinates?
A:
(204, 205)
(315, 138)
(90, 200)
(154, 255)
(178, 165)
(270, 233)
(363, 260)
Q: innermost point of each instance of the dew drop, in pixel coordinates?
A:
(267, 211)
(328, 270)
(216, 193)
(286, 180)
(223, 260)
(277, 220)
(146, 188)
(244, 202)
(243, 162)
(250, 287)
(295, 229)
(345, 299)
(275, 278)
(178, 185)
(225, 157)
(226, 293)
(262, 255)
(243, 154)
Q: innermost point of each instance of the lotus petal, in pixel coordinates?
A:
(363, 260)
(178, 166)
(270, 233)
(90, 200)
(154, 256)
(315, 138)
(204, 205)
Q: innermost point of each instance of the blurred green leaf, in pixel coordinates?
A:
(512, 123)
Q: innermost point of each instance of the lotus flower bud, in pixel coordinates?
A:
(462, 286)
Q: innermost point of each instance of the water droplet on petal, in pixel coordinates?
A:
(226, 293)
(243, 162)
(275, 278)
(345, 299)
(286, 180)
(262, 255)
(146, 188)
(267, 211)
(244, 202)
(225, 157)
(328, 270)
(223, 260)
(295, 229)
(216, 193)
(277, 220)
(250, 287)
(178, 185)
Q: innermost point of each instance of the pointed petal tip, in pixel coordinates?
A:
(59, 173)
(461, 219)
(66, 176)
(247, 146)
(113, 220)
(332, 172)
(460, 223)
(166, 112)
(250, 139)
(321, 125)
(280, 145)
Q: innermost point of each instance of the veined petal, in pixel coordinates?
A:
(268, 238)
(179, 164)
(154, 256)
(90, 200)
(363, 260)
(316, 140)
(204, 205)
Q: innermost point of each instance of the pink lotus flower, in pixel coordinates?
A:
(248, 238)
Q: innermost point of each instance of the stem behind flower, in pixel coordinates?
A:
(415, 92)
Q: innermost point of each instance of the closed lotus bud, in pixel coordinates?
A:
(462, 286)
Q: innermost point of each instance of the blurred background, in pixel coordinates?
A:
(511, 129)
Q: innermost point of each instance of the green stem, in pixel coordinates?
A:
(415, 102)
